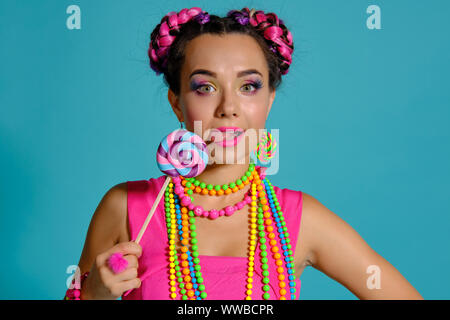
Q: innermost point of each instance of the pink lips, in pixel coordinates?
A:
(228, 138)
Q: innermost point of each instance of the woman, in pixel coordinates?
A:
(223, 73)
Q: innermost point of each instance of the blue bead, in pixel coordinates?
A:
(292, 284)
(290, 271)
(291, 277)
(283, 241)
(284, 247)
(199, 298)
(288, 265)
(292, 297)
(281, 236)
(192, 274)
(194, 280)
(197, 293)
(292, 290)
(189, 258)
(287, 259)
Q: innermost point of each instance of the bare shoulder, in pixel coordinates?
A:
(314, 216)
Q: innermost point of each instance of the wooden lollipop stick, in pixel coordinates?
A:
(152, 211)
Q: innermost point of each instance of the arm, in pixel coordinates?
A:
(338, 251)
(105, 226)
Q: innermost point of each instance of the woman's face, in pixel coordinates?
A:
(224, 83)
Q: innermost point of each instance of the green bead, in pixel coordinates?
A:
(261, 228)
(217, 187)
(180, 279)
(264, 260)
(198, 274)
(209, 187)
(201, 287)
(266, 296)
(196, 183)
(263, 254)
(248, 174)
(178, 274)
(193, 240)
(264, 266)
(265, 273)
(200, 280)
(225, 187)
(188, 184)
(193, 234)
(244, 178)
(192, 226)
(263, 247)
(238, 182)
(232, 185)
(190, 191)
(196, 260)
(192, 220)
(194, 247)
(183, 291)
(202, 185)
(262, 240)
(203, 295)
(266, 280)
(185, 297)
(194, 254)
(197, 266)
(295, 297)
(266, 287)
(260, 216)
(191, 213)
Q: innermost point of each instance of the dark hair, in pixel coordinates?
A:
(271, 34)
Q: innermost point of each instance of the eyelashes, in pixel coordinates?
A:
(196, 85)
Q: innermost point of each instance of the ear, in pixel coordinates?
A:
(175, 103)
(272, 97)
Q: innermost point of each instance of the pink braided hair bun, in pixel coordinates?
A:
(278, 37)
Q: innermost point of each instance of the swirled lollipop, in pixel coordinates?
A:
(183, 153)
(266, 148)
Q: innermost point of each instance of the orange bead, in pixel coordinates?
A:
(280, 270)
(265, 208)
(184, 256)
(185, 242)
(283, 292)
(268, 222)
(228, 191)
(271, 235)
(184, 210)
(190, 293)
(281, 277)
(270, 229)
(189, 285)
(282, 284)
(274, 249)
(282, 298)
(184, 216)
(184, 263)
(183, 182)
(235, 189)
(198, 189)
(279, 263)
(220, 192)
(205, 191)
(185, 229)
(212, 192)
(187, 278)
(277, 256)
(186, 271)
(185, 222)
(241, 186)
(266, 214)
(273, 242)
(259, 188)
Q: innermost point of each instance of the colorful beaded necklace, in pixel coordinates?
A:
(185, 268)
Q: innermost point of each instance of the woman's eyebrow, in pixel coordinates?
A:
(213, 74)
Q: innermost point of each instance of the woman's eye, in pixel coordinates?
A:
(206, 86)
(248, 85)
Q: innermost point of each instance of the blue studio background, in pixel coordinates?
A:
(364, 115)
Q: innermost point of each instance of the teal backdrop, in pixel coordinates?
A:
(363, 117)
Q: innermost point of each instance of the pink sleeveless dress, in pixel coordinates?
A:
(225, 278)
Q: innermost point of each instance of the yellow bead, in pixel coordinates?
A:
(248, 298)
(252, 242)
(251, 258)
(253, 220)
(252, 248)
(254, 198)
(250, 280)
(170, 184)
(253, 226)
(171, 259)
(250, 274)
(251, 264)
(253, 231)
(252, 253)
(172, 277)
(250, 269)
(172, 265)
(171, 196)
(253, 237)
(173, 289)
(249, 286)
(171, 242)
(171, 200)
(249, 292)
(173, 283)
(253, 203)
(173, 295)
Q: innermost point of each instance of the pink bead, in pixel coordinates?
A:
(198, 211)
(239, 205)
(248, 199)
(185, 201)
(229, 210)
(221, 212)
(76, 293)
(176, 179)
(191, 206)
(179, 190)
(213, 214)
(206, 213)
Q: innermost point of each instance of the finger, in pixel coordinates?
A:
(127, 274)
(129, 284)
(132, 260)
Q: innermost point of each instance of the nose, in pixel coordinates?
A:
(229, 105)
